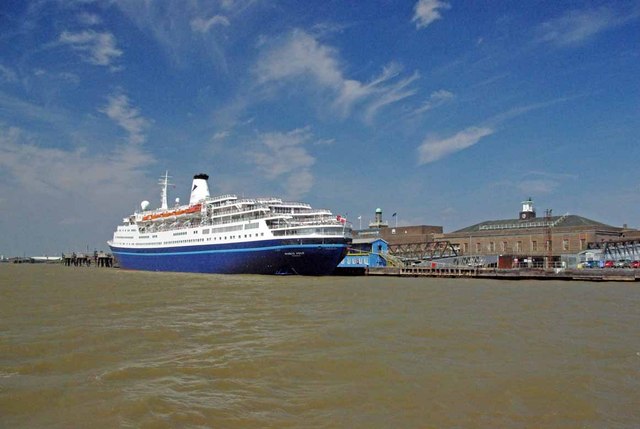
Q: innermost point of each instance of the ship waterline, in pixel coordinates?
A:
(231, 235)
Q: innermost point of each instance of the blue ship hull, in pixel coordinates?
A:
(314, 257)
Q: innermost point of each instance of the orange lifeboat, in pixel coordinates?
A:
(194, 209)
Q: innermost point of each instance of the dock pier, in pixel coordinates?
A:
(99, 259)
(626, 275)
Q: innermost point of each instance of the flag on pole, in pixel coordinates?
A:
(394, 215)
(359, 217)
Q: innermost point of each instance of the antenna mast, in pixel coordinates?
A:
(549, 239)
(164, 182)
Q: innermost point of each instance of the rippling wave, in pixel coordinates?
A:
(90, 347)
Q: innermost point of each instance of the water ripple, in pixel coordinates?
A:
(109, 348)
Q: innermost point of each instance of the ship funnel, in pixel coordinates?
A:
(199, 188)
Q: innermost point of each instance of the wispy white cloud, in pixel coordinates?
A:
(24, 161)
(120, 110)
(33, 111)
(89, 18)
(185, 30)
(542, 182)
(324, 142)
(201, 25)
(283, 154)
(427, 11)
(221, 135)
(394, 93)
(537, 186)
(299, 183)
(85, 192)
(237, 6)
(578, 26)
(434, 149)
(7, 74)
(96, 48)
(69, 77)
(521, 110)
(437, 98)
(301, 55)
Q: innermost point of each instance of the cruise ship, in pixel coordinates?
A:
(230, 235)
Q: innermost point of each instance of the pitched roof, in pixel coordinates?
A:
(565, 221)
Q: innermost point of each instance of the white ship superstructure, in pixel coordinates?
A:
(231, 234)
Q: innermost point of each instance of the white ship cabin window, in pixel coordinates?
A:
(205, 231)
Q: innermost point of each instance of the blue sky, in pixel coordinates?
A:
(445, 112)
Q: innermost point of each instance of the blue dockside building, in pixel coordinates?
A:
(364, 253)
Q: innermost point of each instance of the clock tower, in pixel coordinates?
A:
(528, 212)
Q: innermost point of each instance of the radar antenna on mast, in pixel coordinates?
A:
(164, 182)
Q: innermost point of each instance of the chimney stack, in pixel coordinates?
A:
(199, 188)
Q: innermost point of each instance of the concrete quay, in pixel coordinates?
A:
(593, 274)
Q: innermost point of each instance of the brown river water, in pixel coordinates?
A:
(106, 348)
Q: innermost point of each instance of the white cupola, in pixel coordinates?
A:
(528, 212)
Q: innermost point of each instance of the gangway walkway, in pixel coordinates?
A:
(628, 250)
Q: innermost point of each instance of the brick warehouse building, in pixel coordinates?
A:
(530, 236)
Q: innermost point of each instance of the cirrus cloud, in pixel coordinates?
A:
(437, 98)
(434, 149)
(201, 25)
(427, 11)
(120, 110)
(577, 26)
(300, 55)
(96, 48)
(283, 154)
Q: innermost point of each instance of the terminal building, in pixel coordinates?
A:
(526, 240)
(531, 238)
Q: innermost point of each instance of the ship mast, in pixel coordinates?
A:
(164, 182)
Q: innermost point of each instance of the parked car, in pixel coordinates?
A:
(635, 264)
(623, 264)
(609, 264)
